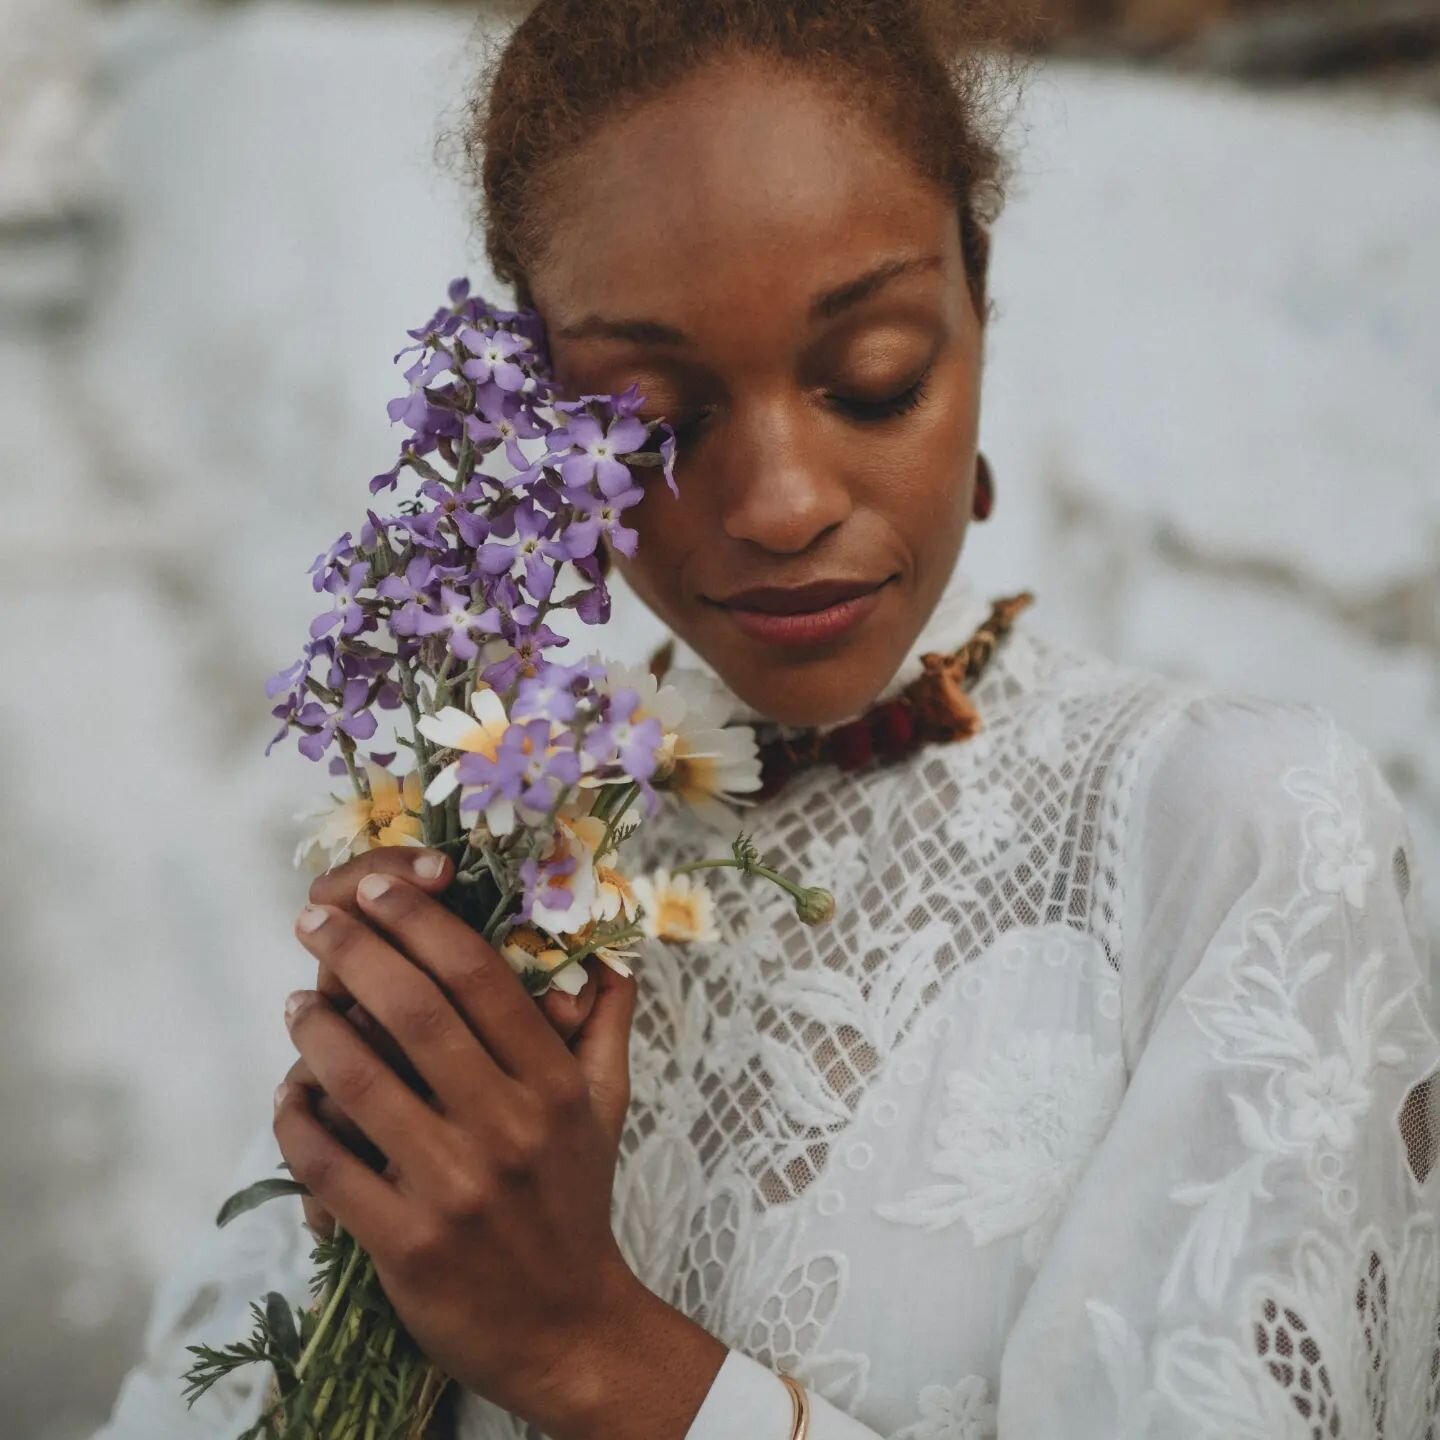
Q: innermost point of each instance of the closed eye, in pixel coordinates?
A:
(871, 411)
(686, 427)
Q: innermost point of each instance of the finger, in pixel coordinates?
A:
(430, 870)
(388, 1112)
(602, 1048)
(340, 1186)
(382, 1043)
(318, 1219)
(484, 988)
(567, 1013)
(332, 1117)
(432, 1034)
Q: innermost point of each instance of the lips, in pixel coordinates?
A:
(797, 599)
(801, 615)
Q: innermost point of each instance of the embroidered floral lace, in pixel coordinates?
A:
(1106, 1108)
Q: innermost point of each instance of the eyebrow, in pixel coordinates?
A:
(824, 306)
(830, 303)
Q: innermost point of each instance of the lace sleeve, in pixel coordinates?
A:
(1252, 1252)
(206, 1299)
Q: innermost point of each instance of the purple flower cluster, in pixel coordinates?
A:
(517, 491)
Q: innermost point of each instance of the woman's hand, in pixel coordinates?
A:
(490, 1226)
(431, 871)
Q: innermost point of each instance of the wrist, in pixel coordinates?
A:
(642, 1374)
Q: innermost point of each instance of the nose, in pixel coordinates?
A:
(780, 491)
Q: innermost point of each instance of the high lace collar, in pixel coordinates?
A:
(960, 609)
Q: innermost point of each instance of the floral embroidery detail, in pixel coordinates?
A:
(1317, 1090)
(953, 1412)
(1349, 1336)
(1344, 862)
(986, 824)
(1044, 737)
(1325, 1099)
(1016, 1134)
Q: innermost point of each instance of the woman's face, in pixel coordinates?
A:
(790, 294)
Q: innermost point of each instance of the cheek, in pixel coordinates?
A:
(921, 481)
(670, 528)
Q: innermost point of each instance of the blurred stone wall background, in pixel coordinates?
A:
(1213, 407)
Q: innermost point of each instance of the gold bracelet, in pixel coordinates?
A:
(800, 1427)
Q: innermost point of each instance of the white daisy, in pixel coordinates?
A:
(676, 907)
(355, 824)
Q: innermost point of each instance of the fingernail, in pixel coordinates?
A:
(312, 917)
(430, 867)
(294, 1004)
(372, 887)
(281, 1091)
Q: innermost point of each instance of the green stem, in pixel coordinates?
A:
(361, 784)
(598, 942)
(502, 906)
(332, 1308)
(629, 795)
(750, 868)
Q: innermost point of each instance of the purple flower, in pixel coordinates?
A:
(345, 587)
(458, 623)
(324, 564)
(412, 585)
(592, 604)
(603, 514)
(412, 410)
(628, 401)
(410, 594)
(375, 531)
(516, 615)
(593, 451)
(529, 769)
(285, 712)
(667, 455)
(531, 551)
(542, 882)
(507, 420)
(491, 352)
(444, 321)
(524, 660)
(619, 737)
(352, 717)
(288, 678)
(553, 692)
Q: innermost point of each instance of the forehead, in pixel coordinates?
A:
(743, 190)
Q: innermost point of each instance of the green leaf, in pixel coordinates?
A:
(257, 1194)
(281, 1323)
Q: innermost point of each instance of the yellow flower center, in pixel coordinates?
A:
(678, 916)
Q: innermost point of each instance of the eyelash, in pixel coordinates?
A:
(866, 412)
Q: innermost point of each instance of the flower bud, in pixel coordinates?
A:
(815, 906)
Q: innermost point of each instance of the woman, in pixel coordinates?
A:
(1101, 1108)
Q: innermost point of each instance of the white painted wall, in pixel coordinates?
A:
(1213, 409)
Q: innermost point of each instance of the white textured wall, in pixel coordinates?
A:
(1213, 408)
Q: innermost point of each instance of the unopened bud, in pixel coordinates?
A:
(815, 906)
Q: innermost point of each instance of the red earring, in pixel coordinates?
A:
(984, 488)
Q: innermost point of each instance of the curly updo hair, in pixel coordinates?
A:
(934, 77)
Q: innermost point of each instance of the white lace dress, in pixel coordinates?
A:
(1099, 1112)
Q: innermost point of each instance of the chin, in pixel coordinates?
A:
(803, 695)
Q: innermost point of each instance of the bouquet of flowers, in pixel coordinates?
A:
(530, 773)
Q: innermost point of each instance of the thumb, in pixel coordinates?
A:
(602, 1048)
